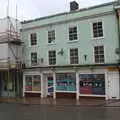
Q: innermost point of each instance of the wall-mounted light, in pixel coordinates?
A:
(85, 57)
(61, 52)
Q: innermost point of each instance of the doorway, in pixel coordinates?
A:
(50, 86)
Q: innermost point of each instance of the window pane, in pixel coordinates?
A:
(28, 83)
(97, 29)
(33, 58)
(36, 83)
(33, 39)
(99, 54)
(52, 57)
(73, 33)
(51, 36)
(74, 56)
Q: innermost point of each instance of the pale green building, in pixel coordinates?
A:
(72, 54)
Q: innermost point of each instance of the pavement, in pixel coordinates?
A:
(61, 102)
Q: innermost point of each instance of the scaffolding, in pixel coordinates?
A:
(13, 67)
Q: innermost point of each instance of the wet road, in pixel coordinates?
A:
(48, 112)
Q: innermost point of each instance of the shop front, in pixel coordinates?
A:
(65, 85)
(92, 85)
(32, 85)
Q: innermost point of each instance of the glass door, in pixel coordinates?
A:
(50, 85)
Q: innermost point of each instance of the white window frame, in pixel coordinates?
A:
(103, 28)
(94, 55)
(32, 83)
(54, 41)
(31, 58)
(75, 40)
(30, 38)
(97, 72)
(69, 56)
(48, 58)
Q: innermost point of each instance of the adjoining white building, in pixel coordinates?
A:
(10, 58)
(73, 54)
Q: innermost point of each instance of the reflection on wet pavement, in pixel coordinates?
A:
(50, 112)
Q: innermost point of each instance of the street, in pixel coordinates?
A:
(14, 111)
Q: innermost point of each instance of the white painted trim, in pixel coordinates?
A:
(107, 92)
(51, 29)
(94, 54)
(42, 86)
(23, 85)
(69, 55)
(60, 91)
(32, 92)
(48, 57)
(71, 26)
(67, 71)
(77, 86)
(54, 85)
(91, 95)
(91, 24)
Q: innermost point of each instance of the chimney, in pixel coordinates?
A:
(74, 6)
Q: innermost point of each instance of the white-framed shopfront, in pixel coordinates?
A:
(111, 82)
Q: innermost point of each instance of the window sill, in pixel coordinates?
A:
(74, 41)
(98, 38)
(49, 44)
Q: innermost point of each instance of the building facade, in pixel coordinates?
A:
(72, 54)
(10, 58)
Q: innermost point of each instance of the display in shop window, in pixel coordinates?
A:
(50, 84)
(66, 82)
(92, 84)
(28, 82)
(36, 83)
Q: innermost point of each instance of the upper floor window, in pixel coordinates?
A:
(73, 33)
(51, 36)
(97, 29)
(99, 54)
(52, 57)
(33, 38)
(33, 58)
(74, 56)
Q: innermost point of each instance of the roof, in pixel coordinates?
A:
(71, 12)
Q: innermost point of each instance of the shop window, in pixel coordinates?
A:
(99, 54)
(52, 57)
(65, 82)
(73, 33)
(36, 83)
(33, 38)
(28, 81)
(32, 83)
(51, 36)
(92, 84)
(74, 56)
(97, 29)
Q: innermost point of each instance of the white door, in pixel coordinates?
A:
(113, 89)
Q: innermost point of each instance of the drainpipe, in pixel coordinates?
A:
(118, 51)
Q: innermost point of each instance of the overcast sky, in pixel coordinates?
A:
(30, 9)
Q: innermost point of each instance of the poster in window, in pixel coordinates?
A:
(28, 82)
(50, 84)
(92, 84)
(66, 82)
(36, 83)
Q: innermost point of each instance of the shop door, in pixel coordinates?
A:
(113, 85)
(50, 85)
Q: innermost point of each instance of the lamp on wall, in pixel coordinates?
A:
(85, 57)
(61, 52)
